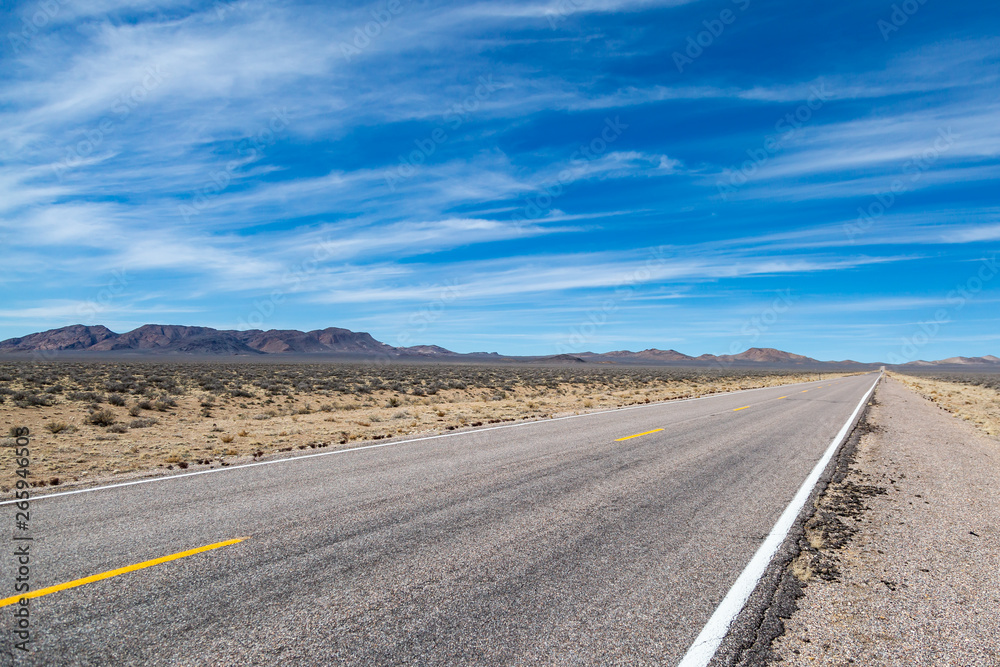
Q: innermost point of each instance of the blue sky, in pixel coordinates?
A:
(529, 177)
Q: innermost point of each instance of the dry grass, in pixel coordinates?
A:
(184, 415)
(971, 397)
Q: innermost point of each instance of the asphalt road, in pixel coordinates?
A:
(550, 542)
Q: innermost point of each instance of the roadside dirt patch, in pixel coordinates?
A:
(838, 510)
(911, 580)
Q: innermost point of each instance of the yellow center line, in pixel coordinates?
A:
(781, 397)
(114, 573)
(629, 437)
(743, 408)
(804, 391)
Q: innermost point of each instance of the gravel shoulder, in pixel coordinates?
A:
(902, 555)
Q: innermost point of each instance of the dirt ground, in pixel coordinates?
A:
(160, 418)
(977, 404)
(902, 554)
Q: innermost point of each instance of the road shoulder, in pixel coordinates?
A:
(901, 556)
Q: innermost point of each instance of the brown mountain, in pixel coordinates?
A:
(159, 338)
(152, 337)
(217, 343)
(332, 339)
(966, 361)
(768, 355)
(350, 341)
(278, 341)
(760, 355)
(558, 359)
(430, 351)
(651, 354)
(76, 337)
(988, 360)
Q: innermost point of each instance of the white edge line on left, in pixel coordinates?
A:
(303, 457)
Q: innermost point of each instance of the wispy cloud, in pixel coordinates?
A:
(212, 150)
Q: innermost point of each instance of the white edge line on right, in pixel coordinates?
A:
(707, 643)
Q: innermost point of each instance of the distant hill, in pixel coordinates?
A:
(768, 355)
(169, 339)
(753, 356)
(557, 359)
(645, 355)
(988, 360)
(429, 351)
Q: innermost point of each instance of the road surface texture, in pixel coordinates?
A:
(918, 581)
(553, 542)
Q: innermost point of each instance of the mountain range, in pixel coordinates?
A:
(166, 339)
(151, 339)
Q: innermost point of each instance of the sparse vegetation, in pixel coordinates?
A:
(987, 380)
(101, 418)
(199, 405)
(974, 397)
(24, 399)
(164, 404)
(57, 426)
